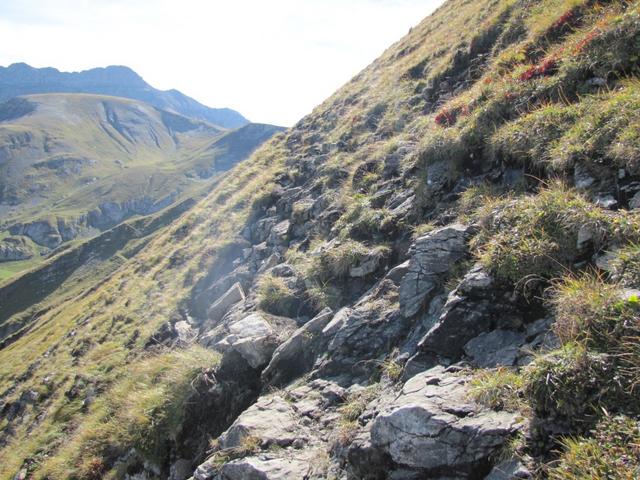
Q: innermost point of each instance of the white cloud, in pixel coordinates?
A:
(272, 61)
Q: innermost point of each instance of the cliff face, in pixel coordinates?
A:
(433, 275)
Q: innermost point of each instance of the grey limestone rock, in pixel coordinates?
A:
(432, 255)
(296, 355)
(253, 338)
(222, 305)
(434, 427)
(499, 347)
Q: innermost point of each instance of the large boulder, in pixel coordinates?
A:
(432, 255)
(296, 355)
(253, 338)
(475, 307)
(434, 428)
(221, 306)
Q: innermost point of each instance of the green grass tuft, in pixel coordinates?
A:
(143, 410)
(276, 297)
(533, 239)
(499, 389)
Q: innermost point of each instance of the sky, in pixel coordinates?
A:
(273, 61)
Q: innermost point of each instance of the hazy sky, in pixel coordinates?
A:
(273, 61)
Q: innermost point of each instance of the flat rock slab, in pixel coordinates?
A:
(499, 347)
(435, 428)
(271, 419)
(268, 467)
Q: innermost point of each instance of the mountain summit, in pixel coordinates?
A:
(22, 79)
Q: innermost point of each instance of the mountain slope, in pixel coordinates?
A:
(75, 164)
(21, 79)
(433, 275)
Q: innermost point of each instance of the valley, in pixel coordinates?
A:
(73, 165)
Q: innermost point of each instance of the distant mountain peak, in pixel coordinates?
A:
(117, 80)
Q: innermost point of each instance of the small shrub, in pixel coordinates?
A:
(574, 387)
(499, 389)
(276, 297)
(612, 451)
(448, 116)
(534, 238)
(547, 66)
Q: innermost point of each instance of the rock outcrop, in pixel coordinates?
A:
(14, 248)
(434, 429)
(432, 256)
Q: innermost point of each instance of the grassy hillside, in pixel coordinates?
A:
(115, 321)
(515, 116)
(75, 164)
(68, 149)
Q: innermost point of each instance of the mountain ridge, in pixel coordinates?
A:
(21, 79)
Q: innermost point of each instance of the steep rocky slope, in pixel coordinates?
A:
(72, 165)
(21, 79)
(433, 275)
